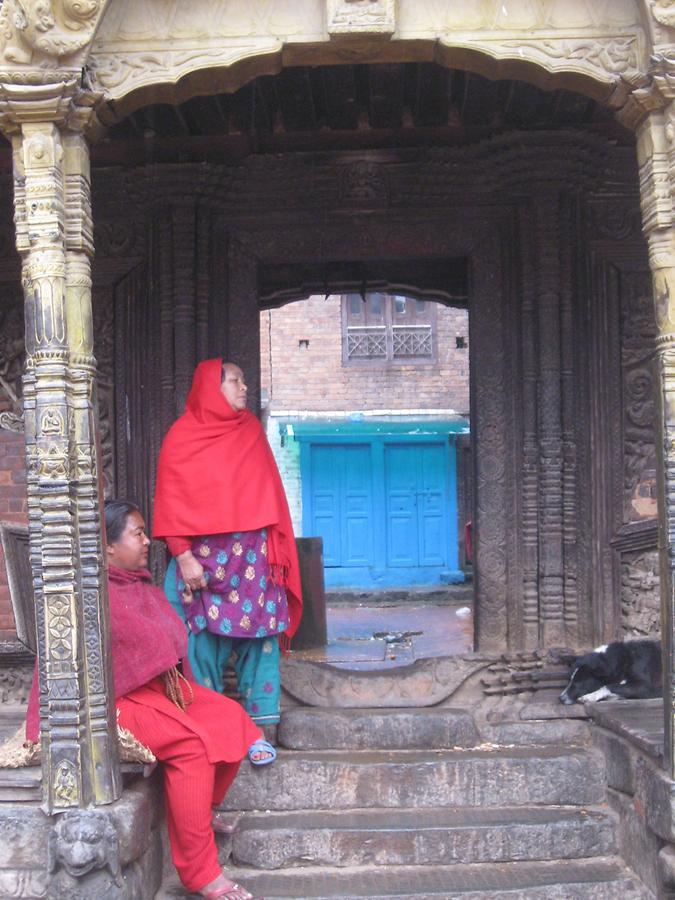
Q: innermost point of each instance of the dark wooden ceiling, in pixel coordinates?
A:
(346, 108)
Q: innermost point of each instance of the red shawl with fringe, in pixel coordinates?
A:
(217, 475)
(146, 636)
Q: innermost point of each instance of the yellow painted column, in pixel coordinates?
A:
(54, 238)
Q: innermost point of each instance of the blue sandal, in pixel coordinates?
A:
(261, 746)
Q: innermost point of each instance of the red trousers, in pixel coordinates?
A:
(192, 784)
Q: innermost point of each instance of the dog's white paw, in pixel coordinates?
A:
(602, 693)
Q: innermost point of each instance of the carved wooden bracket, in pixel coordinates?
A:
(62, 102)
(45, 33)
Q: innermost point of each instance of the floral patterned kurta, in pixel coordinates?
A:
(241, 599)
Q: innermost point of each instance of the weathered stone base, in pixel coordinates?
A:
(641, 794)
(25, 853)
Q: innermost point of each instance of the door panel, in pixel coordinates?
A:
(416, 492)
(386, 494)
(326, 504)
(357, 493)
(401, 499)
(432, 506)
(342, 503)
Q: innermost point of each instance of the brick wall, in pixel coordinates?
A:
(13, 508)
(288, 462)
(312, 377)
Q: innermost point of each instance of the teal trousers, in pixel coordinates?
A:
(255, 662)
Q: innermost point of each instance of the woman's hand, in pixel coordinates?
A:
(191, 571)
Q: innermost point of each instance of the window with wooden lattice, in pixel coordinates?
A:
(387, 328)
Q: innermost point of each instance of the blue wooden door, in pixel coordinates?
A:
(385, 508)
(342, 503)
(417, 505)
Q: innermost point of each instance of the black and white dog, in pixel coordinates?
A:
(629, 670)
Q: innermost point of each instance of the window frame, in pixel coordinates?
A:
(389, 329)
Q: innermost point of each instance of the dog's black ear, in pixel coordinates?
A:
(562, 657)
(568, 659)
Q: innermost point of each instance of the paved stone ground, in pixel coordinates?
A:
(382, 631)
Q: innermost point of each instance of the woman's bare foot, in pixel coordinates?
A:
(224, 889)
(270, 732)
(222, 822)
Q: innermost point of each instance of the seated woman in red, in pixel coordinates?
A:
(199, 736)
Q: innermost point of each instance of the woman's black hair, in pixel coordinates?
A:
(223, 369)
(116, 514)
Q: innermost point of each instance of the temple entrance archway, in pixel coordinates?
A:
(545, 232)
(239, 101)
(555, 212)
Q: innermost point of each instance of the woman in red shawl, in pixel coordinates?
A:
(221, 508)
(199, 736)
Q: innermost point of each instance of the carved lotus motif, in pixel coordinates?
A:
(55, 28)
(664, 12)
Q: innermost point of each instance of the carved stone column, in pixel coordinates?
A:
(54, 238)
(656, 159)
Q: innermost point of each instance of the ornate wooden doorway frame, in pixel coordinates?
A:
(463, 234)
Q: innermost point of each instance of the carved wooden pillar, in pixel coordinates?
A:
(203, 278)
(243, 315)
(54, 238)
(550, 419)
(184, 274)
(656, 160)
(495, 609)
(530, 460)
(162, 275)
(569, 485)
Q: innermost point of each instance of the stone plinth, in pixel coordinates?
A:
(26, 856)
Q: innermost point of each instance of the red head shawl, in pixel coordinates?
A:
(217, 475)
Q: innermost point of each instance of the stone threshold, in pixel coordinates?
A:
(640, 722)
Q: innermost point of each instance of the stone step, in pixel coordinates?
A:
(593, 879)
(421, 836)
(12, 717)
(312, 728)
(20, 784)
(564, 732)
(411, 779)
(24, 845)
